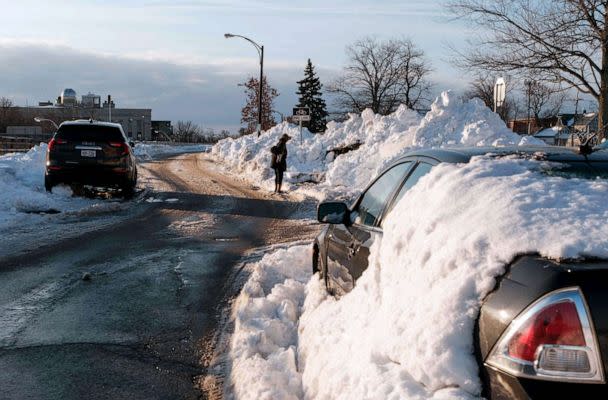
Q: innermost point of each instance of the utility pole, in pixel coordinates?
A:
(261, 90)
(575, 116)
(528, 83)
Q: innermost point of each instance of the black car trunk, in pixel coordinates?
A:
(592, 278)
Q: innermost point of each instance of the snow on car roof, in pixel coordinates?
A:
(464, 154)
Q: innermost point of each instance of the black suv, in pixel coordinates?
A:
(93, 153)
(543, 331)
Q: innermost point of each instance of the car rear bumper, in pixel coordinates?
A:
(502, 386)
(112, 176)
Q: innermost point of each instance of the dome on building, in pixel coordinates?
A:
(68, 97)
(68, 93)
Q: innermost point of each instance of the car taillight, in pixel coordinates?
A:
(552, 339)
(555, 324)
(56, 141)
(122, 146)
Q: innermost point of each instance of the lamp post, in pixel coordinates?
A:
(39, 120)
(143, 127)
(260, 50)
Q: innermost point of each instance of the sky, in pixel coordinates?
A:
(172, 56)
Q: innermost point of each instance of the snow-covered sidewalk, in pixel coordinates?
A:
(406, 330)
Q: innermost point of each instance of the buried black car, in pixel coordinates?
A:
(542, 332)
(91, 153)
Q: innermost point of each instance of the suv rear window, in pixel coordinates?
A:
(90, 133)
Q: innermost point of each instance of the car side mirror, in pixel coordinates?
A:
(132, 144)
(333, 212)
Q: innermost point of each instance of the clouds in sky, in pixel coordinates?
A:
(205, 93)
(171, 55)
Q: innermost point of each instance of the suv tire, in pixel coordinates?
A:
(48, 183)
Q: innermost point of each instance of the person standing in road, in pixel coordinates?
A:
(279, 161)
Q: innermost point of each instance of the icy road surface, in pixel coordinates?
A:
(127, 311)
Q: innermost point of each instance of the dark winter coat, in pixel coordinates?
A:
(279, 156)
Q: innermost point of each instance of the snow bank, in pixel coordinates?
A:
(147, 151)
(450, 122)
(23, 192)
(406, 329)
(266, 312)
(22, 183)
(308, 158)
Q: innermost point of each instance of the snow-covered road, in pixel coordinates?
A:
(126, 310)
(30, 217)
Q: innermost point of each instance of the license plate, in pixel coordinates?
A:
(88, 153)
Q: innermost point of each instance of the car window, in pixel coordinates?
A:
(90, 133)
(375, 198)
(421, 170)
(581, 170)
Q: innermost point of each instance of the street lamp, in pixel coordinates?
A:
(39, 120)
(260, 50)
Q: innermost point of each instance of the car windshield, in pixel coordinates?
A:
(90, 133)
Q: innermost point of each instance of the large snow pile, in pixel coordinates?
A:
(451, 122)
(308, 157)
(266, 312)
(406, 329)
(22, 183)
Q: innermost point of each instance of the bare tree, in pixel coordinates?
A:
(545, 100)
(10, 115)
(5, 103)
(560, 41)
(186, 131)
(5, 113)
(482, 87)
(381, 75)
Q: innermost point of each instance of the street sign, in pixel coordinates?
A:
(301, 114)
(500, 91)
(300, 118)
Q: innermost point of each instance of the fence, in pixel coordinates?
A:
(15, 144)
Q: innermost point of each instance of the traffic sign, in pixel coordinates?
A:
(301, 114)
(300, 118)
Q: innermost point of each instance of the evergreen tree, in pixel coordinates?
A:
(309, 93)
(249, 113)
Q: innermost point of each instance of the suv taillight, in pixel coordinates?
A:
(54, 142)
(121, 146)
(552, 339)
